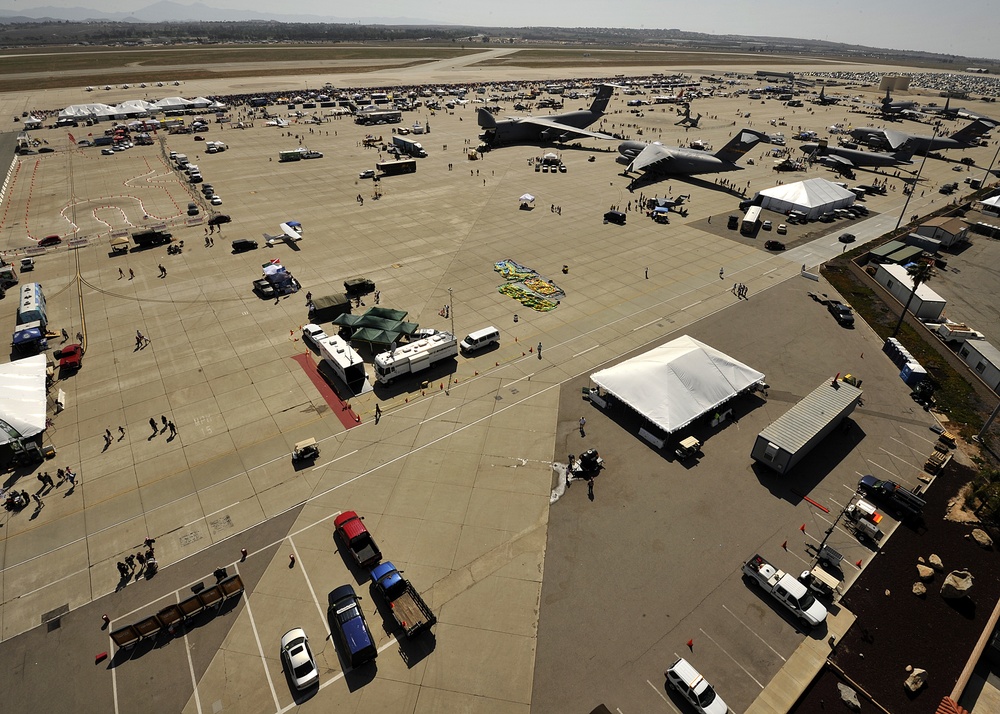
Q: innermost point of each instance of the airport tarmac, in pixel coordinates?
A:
(455, 479)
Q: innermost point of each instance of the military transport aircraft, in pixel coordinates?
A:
(964, 138)
(824, 100)
(678, 161)
(840, 158)
(556, 127)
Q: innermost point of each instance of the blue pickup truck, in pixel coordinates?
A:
(408, 608)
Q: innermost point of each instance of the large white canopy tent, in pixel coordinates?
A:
(813, 197)
(22, 398)
(674, 384)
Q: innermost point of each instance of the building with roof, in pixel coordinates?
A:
(984, 359)
(925, 305)
(813, 197)
(949, 231)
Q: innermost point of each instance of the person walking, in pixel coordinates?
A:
(539, 350)
(590, 487)
(47, 480)
(121, 273)
(131, 274)
(121, 432)
(152, 425)
(163, 271)
(65, 336)
(70, 476)
(583, 426)
(378, 413)
(163, 419)
(647, 273)
(173, 429)
(122, 570)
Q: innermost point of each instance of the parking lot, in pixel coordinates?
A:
(554, 608)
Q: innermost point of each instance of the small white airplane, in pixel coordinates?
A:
(277, 122)
(90, 89)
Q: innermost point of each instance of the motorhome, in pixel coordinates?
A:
(415, 357)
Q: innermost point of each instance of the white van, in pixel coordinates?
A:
(479, 339)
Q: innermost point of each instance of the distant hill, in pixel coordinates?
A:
(167, 11)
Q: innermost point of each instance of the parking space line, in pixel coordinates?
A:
(187, 651)
(875, 463)
(312, 591)
(918, 435)
(342, 456)
(663, 696)
(752, 632)
(905, 445)
(731, 657)
(882, 448)
(260, 648)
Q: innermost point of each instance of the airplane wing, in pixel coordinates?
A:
(563, 128)
(895, 139)
(652, 154)
(836, 161)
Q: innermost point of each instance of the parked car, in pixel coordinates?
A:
(350, 629)
(241, 245)
(312, 333)
(367, 174)
(734, 223)
(298, 659)
(766, 225)
(263, 288)
(48, 241)
(193, 209)
(782, 229)
(774, 245)
(216, 200)
(683, 678)
(841, 313)
(108, 152)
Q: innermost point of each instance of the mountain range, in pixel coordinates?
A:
(167, 11)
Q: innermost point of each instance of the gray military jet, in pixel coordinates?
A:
(678, 161)
(823, 100)
(964, 138)
(557, 127)
(839, 158)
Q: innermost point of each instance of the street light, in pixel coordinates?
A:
(916, 179)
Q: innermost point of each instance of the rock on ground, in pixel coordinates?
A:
(982, 538)
(925, 573)
(956, 585)
(849, 697)
(916, 680)
(919, 589)
(935, 562)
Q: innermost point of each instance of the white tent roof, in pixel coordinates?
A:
(135, 106)
(674, 384)
(87, 110)
(22, 398)
(995, 201)
(173, 103)
(811, 193)
(200, 102)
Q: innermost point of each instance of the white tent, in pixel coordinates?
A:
(813, 197)
(135, 107)
(22, 398)
(86, 111)
(200, 103)
(991, 205)
(168, 103)
(674, 384)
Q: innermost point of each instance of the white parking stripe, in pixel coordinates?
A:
(731, 657)
(918, 435)
(882, 448)
(194, 678)
(302, 566)
(663, 696)
(260, 648)
(754, 633)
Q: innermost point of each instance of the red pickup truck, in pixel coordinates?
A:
(355, 537)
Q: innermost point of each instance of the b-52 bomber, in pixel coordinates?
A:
(678, 161)
(556, 127)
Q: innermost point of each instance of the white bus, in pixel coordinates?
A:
(751, 221)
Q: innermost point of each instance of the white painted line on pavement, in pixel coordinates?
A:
(640, 327)
(344, 456)
(437, 416)
(596, 346)
(302, 566)
(686, 307)
(907, 446)
(187, 651)
(752, 632)
(918, 435)
(731, 657)
(256, 636)
(882, 448)
(662, 696)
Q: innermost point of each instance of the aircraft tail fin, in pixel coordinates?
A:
(905, 151)
(973, 130)
(604, 93)
(740, 144)
(486, 119)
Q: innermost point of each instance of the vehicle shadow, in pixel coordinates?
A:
(360, 575)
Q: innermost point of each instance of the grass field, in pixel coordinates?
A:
(639, 57)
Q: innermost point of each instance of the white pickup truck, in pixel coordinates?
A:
(786, 590)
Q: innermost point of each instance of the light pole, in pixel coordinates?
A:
(451, 310)
(916, 179)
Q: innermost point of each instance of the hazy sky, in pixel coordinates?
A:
(967, 27)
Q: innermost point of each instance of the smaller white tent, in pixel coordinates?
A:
(22, 398)
(990, 205)
(813, 197)
(674, 384)
(169, 103)
(135, 107)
